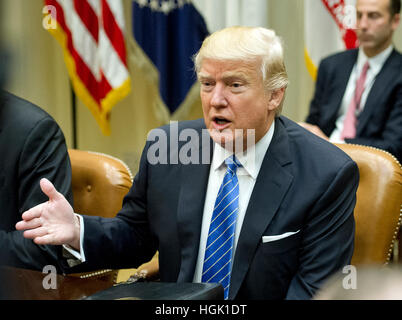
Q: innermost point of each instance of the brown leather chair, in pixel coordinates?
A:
(379, 203)
(99, 183)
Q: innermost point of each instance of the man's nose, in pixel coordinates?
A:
(362, 22)
(218, 99)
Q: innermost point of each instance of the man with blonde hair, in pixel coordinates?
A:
(271, 218)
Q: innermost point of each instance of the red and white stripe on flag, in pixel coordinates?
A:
(91, 33)
(328, 28)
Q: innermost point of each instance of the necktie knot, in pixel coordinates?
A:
(366, 66)
(232, 164)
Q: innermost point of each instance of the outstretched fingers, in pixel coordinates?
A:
(45, 239)
(30, 218)
(35, 233)
(31, 224)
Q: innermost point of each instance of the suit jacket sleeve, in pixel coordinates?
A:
(124, 241)
(328, 237)
(44, 155)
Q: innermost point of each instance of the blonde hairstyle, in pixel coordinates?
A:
(248, 44)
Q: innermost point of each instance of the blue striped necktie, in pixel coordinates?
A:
(219, 248)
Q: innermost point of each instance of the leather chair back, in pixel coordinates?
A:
(379, 202)
(99, 183)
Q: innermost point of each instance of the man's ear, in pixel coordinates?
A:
(395, 21)
(276, 98)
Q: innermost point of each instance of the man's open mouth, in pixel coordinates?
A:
(221, 121)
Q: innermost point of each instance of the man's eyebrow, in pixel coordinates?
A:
(235, 75)
(368, 12)
(226, 76)
(202, 75)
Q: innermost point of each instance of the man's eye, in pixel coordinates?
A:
(374, 15)
(206, 85)
(237, 86)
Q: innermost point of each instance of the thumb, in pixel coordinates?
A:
(48, 189)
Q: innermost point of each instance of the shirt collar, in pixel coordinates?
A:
(251, 160)
(375, 62)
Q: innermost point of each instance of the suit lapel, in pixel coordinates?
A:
(272, 183)
(193, 189)
(384, 77)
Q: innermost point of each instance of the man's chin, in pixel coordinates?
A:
(225, 139)
(367, 44)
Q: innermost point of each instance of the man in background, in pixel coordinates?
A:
(358, 93)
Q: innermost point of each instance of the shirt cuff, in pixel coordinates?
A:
(75, 257)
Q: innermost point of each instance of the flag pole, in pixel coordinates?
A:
(74, 116)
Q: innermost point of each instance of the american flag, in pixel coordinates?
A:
(91, 33)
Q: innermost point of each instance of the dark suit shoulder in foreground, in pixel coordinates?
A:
(32, 147)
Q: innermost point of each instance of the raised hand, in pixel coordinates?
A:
(51, 222)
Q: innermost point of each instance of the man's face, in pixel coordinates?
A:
(233, 97)
(375, 25)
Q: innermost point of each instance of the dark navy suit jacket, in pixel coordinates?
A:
(32, 147)
(380, 122)
(305, 183)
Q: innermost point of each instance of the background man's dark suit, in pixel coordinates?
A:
(380, 122)
(305, 183)
(32, 146)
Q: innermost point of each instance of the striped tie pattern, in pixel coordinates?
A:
(219, 248)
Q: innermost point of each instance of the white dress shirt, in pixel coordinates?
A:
(376, 64)
(251, 162)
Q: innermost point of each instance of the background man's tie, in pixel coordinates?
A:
(219, 249)
(350, 122)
